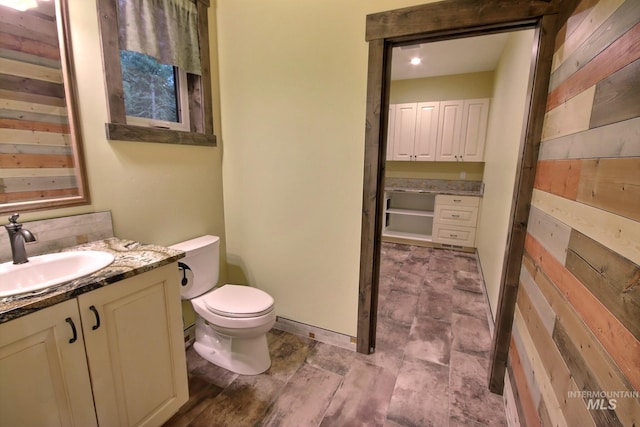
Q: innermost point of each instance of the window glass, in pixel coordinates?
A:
(151, 89)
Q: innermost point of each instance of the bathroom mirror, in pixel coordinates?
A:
(41, 157)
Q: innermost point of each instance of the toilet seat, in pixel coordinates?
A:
(238, 301)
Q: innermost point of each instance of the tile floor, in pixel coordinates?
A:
(429, 368)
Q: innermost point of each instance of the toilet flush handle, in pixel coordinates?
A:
(184, 267)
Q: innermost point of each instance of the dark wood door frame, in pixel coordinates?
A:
(438, 21)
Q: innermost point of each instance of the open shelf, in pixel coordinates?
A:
(409, 215)
(409, 212)
(407, 235)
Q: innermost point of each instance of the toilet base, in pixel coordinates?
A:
(245, 356)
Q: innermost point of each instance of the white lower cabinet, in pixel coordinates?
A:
(455, 220)
(120, 346)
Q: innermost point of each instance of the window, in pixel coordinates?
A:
(151, 101)
(155, 94)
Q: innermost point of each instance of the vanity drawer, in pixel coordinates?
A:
(444, 199)
(454, 235)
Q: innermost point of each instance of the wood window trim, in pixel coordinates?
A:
(200, 95)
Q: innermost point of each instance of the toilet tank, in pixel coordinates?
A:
(200, 267)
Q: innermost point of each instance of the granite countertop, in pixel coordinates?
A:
(131, 258)
(434, 186)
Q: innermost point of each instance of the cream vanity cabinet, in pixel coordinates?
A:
(455, 220)
(44, 378)
(408, 215)
(120, 346)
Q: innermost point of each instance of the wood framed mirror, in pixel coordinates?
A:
(41, 156)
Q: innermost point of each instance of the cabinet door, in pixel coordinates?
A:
(44, 379)
(391, 123)
(474, 130)
(449, 127)
(135, 349)
(405, 131)
(426, 131)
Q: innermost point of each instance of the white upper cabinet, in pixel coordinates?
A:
(448, 131)
(426, 131)
(404, 131)
(390, 130)
(474, 130)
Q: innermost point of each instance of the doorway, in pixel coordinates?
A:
(433, 22)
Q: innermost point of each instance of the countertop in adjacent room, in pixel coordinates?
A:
(435, 186)
(131, 258)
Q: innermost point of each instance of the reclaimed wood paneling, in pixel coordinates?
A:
(559, 177)
(623, 347)
(613, 280)
(620, 139)
(582, 375)
(528, 409)
(536, 299)
(612, 185)
(606, 22)
(618, 233)
(619, 54)
(551, 233)
(574, 410)
(600, 365)
(551, 404)
(579, 14)
(616, 97)
(571, 117)
(527, 368)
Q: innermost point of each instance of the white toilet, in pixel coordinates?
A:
(233, 320)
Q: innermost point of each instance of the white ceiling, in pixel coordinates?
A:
(459, 56)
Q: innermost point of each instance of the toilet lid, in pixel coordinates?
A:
(238, 301)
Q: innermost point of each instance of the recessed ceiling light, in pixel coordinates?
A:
(415, 61)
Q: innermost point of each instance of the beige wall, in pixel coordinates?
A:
(501, 155)
(158, 193)
(470, 171)
(293, 88)
(457, 86)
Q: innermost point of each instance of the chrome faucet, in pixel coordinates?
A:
(18, 236)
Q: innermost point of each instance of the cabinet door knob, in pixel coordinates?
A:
(95, 312)
(73, 339)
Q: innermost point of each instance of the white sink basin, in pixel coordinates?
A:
(48, 270)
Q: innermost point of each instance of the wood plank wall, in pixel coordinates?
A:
(36, 158)
(577, 319)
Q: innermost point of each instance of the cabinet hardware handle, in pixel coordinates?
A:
(453, 235)
(95, 312)
(457, 200)
(73, 329)
(455, 216)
